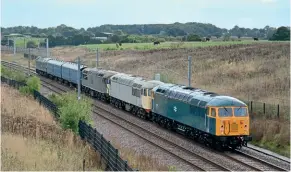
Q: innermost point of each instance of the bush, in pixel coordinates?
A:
(71, 110)
(33, 83)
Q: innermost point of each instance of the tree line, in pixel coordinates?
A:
(192, 31)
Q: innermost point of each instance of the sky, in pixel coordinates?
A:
(92, 13)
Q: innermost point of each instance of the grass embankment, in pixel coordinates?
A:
(31, 140)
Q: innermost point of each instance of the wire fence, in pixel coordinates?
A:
(268, 111)
(33, 51)
(111, 156)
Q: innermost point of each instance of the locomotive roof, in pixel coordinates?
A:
(72, 65)
(39, 58)
(101, 72)
(196, 96)
(125, 79)
(151, 84)
(56, 62)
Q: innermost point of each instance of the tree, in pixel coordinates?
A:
(31, 44)
(115, 38)
(282, 34)
(118, 32)
(226, 37)
(193, 37)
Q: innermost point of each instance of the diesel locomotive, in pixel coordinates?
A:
(217, 120)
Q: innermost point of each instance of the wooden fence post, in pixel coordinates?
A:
(101, 145)
(278, 112)
(264, 108)
(125, 166)
(108, 155)
(95, 139)
(116, 157)
(83, 164)
(251, 106)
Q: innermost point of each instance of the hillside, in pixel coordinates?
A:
(175, 29)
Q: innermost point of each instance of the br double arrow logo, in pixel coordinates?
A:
(175, 108)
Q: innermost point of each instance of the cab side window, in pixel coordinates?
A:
(213, 112)
(149, 92)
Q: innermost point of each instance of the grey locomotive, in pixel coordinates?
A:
(96, 82)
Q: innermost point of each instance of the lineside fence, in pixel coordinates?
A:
(268, 111)
(87, 132)
(33, 51)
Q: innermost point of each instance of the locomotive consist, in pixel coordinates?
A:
(217, 120)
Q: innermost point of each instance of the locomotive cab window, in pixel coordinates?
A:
(213, 112)
(225, 112)
(145, 92)
(85, 76)
(240, 111)
(138, 92)
(149, 92)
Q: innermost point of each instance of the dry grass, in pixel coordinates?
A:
(13, 103)
(18, 58)
(35, 142)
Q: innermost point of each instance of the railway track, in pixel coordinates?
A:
(267, 154)
(255, 162)
(197, 161)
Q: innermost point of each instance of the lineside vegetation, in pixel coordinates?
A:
(71, 110)
(33, 141)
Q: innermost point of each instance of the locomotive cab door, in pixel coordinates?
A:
(207, 119)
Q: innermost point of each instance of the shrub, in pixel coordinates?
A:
(71, 110)
(33, 83)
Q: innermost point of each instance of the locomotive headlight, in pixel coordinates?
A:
(221, 129)
(246, 127)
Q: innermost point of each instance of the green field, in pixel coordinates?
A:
(163, 45)
(20, 41)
